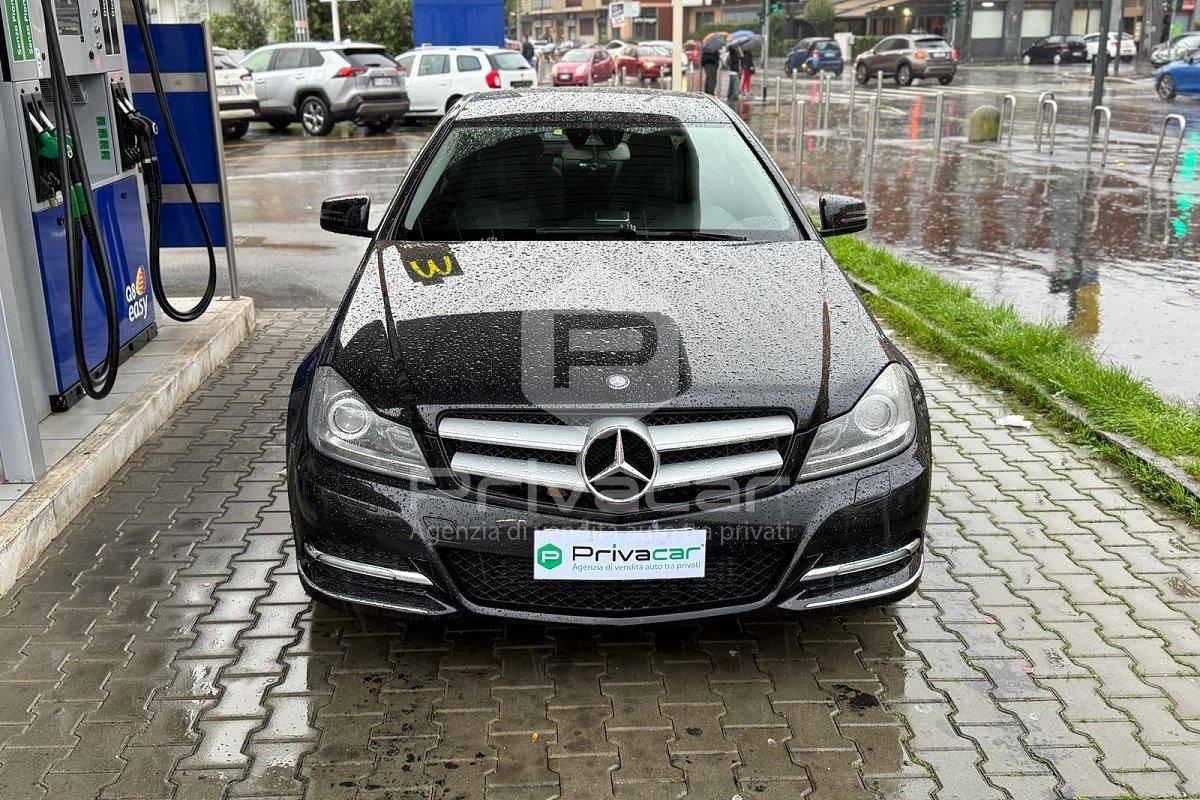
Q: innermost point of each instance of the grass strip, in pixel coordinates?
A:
(1030, 359)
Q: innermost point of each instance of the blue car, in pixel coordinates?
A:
(814, 55)
(1179, 78)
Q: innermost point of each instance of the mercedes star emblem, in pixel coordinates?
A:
(618, 461)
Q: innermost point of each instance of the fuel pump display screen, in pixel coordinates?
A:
(67, 14)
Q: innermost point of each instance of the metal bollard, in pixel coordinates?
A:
(1106, 114)
(775, 131)
(1009, 106)
(879, 87)
(794, 76)
(1179, 118)
(827, 98)
(1041, 108)
(938, 106)
(853, 92)
(872, 122)
(798, 143)
(1053, 105)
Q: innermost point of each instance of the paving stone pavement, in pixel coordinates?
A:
(163, 648)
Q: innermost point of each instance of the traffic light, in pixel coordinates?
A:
(956, 9)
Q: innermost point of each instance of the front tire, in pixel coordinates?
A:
(1166, 88)
(945, 80)
(1027, 59)
(1057, 59)
(452, 99)
(315, 116)
(235, 130)
(860, 74)
(904, 76)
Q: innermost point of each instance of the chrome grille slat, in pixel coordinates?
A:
(515, 470)
(710, 470)
(570, 438)
(705, 452)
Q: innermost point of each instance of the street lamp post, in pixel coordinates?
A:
(1100, 66)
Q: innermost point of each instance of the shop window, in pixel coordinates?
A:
(1036, 22)
(987, 23)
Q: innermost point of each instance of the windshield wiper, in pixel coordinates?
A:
(631, 232)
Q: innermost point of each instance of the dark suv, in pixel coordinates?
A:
(914, 55)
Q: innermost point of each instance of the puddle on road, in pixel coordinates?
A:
(1115, 260)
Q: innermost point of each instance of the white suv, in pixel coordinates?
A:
(438, 76)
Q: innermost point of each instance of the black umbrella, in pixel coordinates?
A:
(714, 42)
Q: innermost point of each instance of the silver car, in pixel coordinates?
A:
(320, 83)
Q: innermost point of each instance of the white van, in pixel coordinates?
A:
(438, 76)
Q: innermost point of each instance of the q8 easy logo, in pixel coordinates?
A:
(135, 296)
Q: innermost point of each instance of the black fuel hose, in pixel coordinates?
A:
(154, 190)
(79, 223)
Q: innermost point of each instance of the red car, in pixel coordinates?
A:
(644, 62)
(583, 66)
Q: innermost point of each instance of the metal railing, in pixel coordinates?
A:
(1162, 134)
(1105, 114)
(798, 142)
(939, 107)
(1052, 104)
(872, 127)
(1008, 105)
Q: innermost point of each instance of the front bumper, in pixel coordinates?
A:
(570, 80)
(849, 538)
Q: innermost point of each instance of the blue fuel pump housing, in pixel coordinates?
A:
(119, 207)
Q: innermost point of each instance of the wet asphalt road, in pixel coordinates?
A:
(1110, 253)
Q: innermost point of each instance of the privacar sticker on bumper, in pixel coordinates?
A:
(591, 555)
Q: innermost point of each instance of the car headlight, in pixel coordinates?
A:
(881, 424)
(342, 426)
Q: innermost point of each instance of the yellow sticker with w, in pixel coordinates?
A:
(429, 265)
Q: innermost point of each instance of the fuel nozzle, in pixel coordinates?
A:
(135, 129)
(44, 143)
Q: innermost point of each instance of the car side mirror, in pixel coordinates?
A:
(841, 215)
(350, 215)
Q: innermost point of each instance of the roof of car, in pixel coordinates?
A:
(684, 106)
(323, 45)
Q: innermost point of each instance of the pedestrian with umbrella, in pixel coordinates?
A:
(733, 63)
(710, 59)
(747, 42)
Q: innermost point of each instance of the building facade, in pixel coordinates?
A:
(589, 21)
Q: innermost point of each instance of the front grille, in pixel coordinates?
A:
(529, 456)
(734, 574)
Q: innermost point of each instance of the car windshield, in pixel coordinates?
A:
(593, 177)
(576, 56)
(506, 59)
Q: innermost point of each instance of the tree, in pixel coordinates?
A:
(820, 14)
(384, 22)
(246, 26)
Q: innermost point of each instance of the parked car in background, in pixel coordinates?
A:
(583, 66)
(616, 44)
(561, 48)
(1179, 78)
(1128, 46)
(236, 101)
(908, 57)
(321, 83)
(438, 76)
(1056, 49)
(1177, 49)
(645, 62)
(815, 54)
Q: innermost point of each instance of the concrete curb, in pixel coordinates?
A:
(33, 522)
(1132, 448)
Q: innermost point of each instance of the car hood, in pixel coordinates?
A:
(685, 324)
